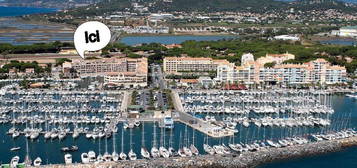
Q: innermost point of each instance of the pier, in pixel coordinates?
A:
(247, 159)
(196, 123)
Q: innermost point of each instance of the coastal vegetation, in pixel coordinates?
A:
(22, 66)
(232, 50)
(52, 47)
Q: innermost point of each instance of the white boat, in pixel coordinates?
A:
(187, 151)
(107, 157)
(352, 96)
(16, 134)
(14, 161)
(234, 147)
(132, 155)
(218, 149)
(155, 152)
(137, 123)
(84, 158)
(145, 153)
(194, 150)
(115, 156)
(92, 157)
(15, 148)
(100, 158)
(164, 152)
(208, 149)
(122, 156)
(172, 151)
(37, 162)
(68, 158)
(75, 134)
(47, 135)
(181, 153)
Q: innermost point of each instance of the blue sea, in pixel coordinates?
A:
(19, 11)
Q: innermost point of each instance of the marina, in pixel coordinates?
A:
(91, 127)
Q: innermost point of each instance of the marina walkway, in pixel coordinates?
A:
(198, 124)
(126, 101)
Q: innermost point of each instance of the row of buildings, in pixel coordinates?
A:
(348, 31)
(252, 71)
(123, 72)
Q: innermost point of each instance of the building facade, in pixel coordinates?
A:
(277, 58)
(176, 65)
(318, 71)
(349, 31)
(116, 71)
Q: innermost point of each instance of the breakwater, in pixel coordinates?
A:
(247, 159)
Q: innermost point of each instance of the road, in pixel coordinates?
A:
(157, 86)
(159, 82)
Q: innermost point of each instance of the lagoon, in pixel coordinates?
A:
(172, 39)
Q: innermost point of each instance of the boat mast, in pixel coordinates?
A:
(122, 140)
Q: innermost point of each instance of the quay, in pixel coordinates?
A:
(247, 159)
(196, 123)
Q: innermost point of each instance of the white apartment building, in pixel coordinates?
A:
(349, 31)
(176, 65)
(126, 79)
(118, 71)
(316, 71)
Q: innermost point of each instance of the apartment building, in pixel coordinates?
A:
(126, 79)
(277, 58)
(118, 71)
(176, 65)
(316, 71)
(231, 74)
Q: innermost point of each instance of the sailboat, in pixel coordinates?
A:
(91, 156)
(131, 154)
(122, 155)
(14, 161)
(154, 151)
(15, 148)
(180, 151)
(172, 151)
(68, 158)
(47, 132)
(13, 129)
(144, 152)
(84, 158)
(107, 157)
(115, 155)
(27, 161)
(187, 151)
(37, 162)
(193, 148)
(163, 151)
(100, 156)
(207, 148)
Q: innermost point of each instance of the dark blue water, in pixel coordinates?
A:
(171, 39)
(19, 11)
(343, 159)
(339, 42)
